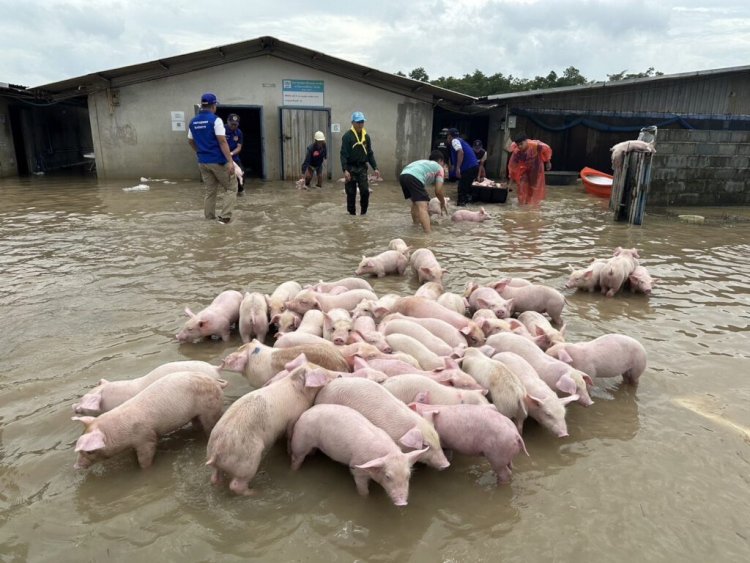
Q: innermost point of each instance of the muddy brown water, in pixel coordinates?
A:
(94, 280)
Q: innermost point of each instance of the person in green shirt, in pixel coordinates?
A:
(356, 153)
(415, 178)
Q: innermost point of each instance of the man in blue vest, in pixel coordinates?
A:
(235, 139)
(207, 137)
(465, 166)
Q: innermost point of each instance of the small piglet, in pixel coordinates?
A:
(477, 431)
(586, 278)
(641, 281)
(426, 266)
(388, 262)
(163, 407)
(253, 317)
(110, 394)
(399, 245)
(534, 297)
(610, 355)
(472, 216)
(411, 387)
(215, 320)
(346, 436)
(616, 271)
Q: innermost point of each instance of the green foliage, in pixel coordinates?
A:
(623, 76)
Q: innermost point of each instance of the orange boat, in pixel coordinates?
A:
(596, 183)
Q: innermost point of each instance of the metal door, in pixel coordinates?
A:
(298, 125)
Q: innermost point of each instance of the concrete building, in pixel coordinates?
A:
(703, 143)
(283, 94)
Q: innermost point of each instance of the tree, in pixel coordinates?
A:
(419, 74)
(623, 76)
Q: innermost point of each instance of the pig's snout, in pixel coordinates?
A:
(562, 434)
(400, 502)
(339, 341)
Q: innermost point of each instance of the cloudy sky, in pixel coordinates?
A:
(45, 41)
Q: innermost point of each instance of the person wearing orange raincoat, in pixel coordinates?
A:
(526, 168)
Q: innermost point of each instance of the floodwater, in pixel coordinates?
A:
(93, 284)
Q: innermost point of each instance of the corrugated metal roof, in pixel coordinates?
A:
(261, 46)
(616, 83)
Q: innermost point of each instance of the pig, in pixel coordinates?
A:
(454, 302)
(215, 320)
(534, 297)
(388, 413)
(337, 325)
(312, 322)
(286, 322)
(255, 421)
(610, 355)
(429, 290)
(163, 407)
(586, 278)
(410, 387)
(420, 333)
(425, 266)
(427, 358)
(433, 206)
(110, 394)
(506, 391)
(451, 374)
(346, 436)
(259, 363)
(253, 317)
(472, 216)
(308, 299)
(364, 326)
(399, 245)
(558, 375)
(443, 330)
(641, 281)
(538, 325)
(298, 338)
(487, 298)
(425, 308)
(616, 271)
(621, 149)
(542, 403)
(388, 262)
(277, 300)
(349, 283)
(477, 431)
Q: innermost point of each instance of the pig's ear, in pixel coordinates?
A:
(103, 381)
(380, 311)
(89, 402)
(451, 363)
(564, 356)
(539, 331)
(296, 362)
(268, 300)
(541, 340)
(85, 419)
(515, 324)
(295, 321)
(376, 463)
(509, 303)
(90, 441)
(571, 268)
(569, 399)
(587, 379)
(466, 330)
(189, 313)
(412, 439)
(635, 252)
(413, 457)
(482, 302)
(588, 273)
(566, 384)
(359, 363)
(617, 251)
(562, 330)
(316, 378)
(531, 401)
(422, 397)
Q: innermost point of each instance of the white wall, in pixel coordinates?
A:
(8, 165)
(136, 139)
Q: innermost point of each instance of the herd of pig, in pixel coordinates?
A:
(613, 274)
(377, 383)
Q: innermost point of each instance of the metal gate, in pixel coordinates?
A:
(298, 125)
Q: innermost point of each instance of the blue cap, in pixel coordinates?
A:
(209, 99)
(358, 116)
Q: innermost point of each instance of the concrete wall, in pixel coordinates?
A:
(8, 165)
(135, 138)
(693, 167)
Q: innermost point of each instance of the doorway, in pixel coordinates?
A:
(298, 125)
(251, 125)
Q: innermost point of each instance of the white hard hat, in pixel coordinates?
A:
(319, 136)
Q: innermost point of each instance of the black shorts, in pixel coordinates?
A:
(413, 189)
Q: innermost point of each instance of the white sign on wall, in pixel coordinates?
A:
(178, 120)
(178, 126)
(302, 93)
(335, 128)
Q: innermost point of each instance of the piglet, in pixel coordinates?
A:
(454, 302)
(253, 317)
(163, 407)
(616, 271)
(346, 436)
(425, 265)
(487, 298)
(477, 431)
(388, 262)
(534, 297)
(277, 300)
(348, 283)
(410, 387)
(641, 281)
(215, 320)
(337, 326)
(399, 245)
(110, 394)
(471, 216)
(433, 206)
(586, 278)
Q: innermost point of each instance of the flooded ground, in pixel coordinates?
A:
(94, 281)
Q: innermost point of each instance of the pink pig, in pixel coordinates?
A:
(348, 283)
(477, 431)
(346, 436)
(337, 325)
(615, 272)
(610, 355)
(587, 278)
(426, 266)
(641, 281)
(253, 317)
(216, 319)
(473, 216)
(409, 387)
(308, 299)
(364, 326)
(163, 407)
(388, 262)
(426, 308)
(487, 298)
(534, 297)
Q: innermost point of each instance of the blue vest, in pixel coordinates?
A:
(234, 138)
(470, 159)
(202, 128)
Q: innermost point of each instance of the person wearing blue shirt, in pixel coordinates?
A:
(465, 165)
(207, 137)
(235, 139)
